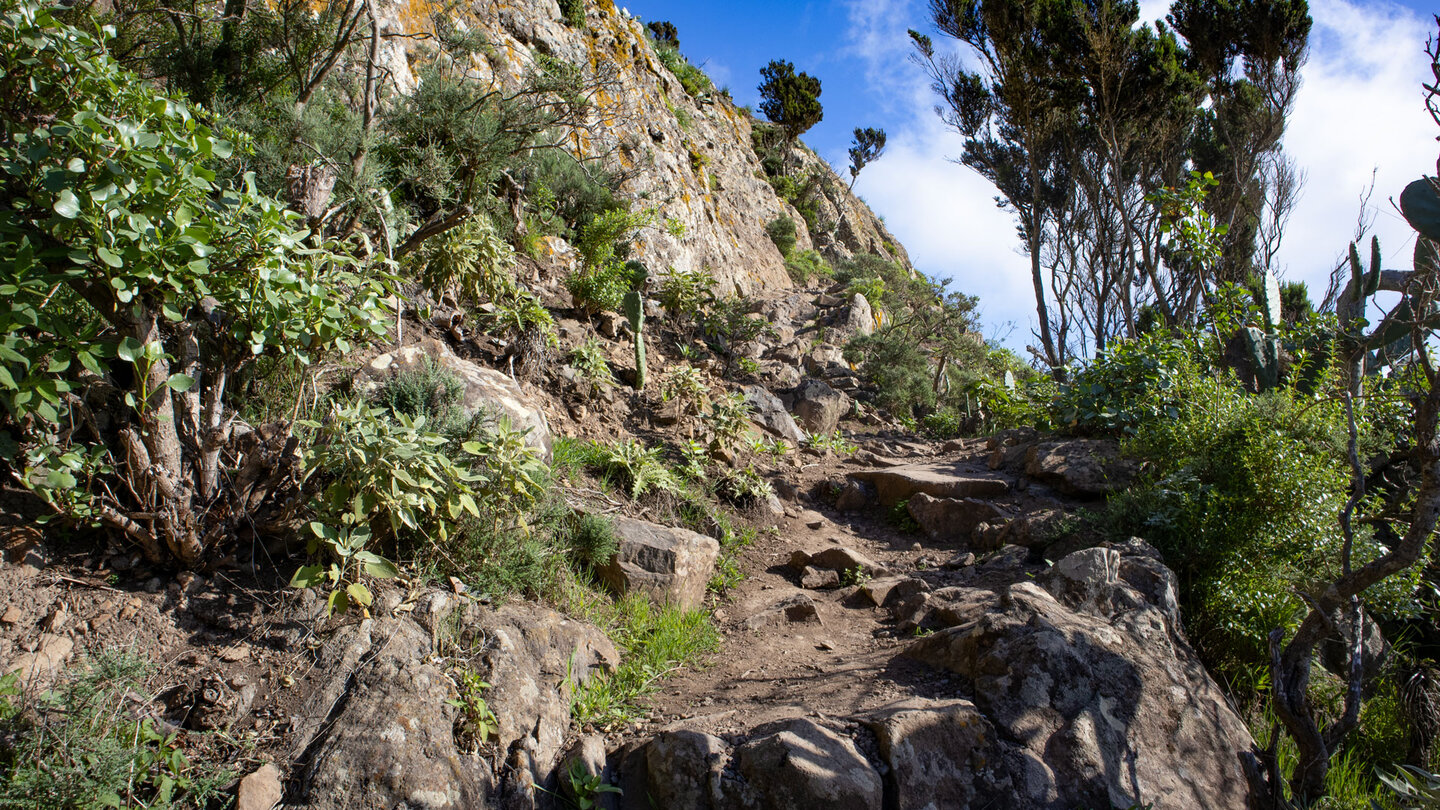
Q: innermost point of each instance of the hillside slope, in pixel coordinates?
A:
(690, 157)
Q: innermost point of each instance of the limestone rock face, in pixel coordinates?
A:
(690, 157)
(670, 565)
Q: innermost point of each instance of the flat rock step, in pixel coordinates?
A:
(942, 480)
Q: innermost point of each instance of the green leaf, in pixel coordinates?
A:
(338, 602)
(109, 257)
(67, 205)
(180, 382)
(359, 594)
(130, 350)
(307, 576)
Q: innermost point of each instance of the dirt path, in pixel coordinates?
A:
(844, 659)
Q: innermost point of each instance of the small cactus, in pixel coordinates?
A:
(635, 310)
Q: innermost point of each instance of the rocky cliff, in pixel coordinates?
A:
(689, 156)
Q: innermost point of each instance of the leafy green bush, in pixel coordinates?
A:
(81, 745)
(640, 469)
(688, 295)
(565, 194)
(1243, 508)
(782, 232)
(573, 12)
(692, 78)
(727, 419)
(179, 281)
(425, 390)
(806, 266)
(471, 262)
(589, 359)
(898, 367)
(1133, 383)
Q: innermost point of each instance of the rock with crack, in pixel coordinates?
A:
(391, 741)
(803, 765)
(376, 729)
(769, 413)
(819, 406)
(945, 754)
(1099, 686)
(950, 519)
(886, 590)
(671, 565)
(939, 480)
(1084, 467)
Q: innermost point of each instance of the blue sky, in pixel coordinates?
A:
(1359, 113)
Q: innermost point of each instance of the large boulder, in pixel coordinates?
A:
(819, 406)
(859, 318)
(670, 565)
(950, 518)
(486, 389)
(1098, 684)
(374, 727)
(803, 765)
(940, 480)
(769, 412)
(1085, 467)
(392, 741)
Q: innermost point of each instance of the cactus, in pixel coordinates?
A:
(1263, 347)
(635, 311)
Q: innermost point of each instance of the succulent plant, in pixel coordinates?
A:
(634, 305)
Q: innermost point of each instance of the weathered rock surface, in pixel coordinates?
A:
(942, 480)
(836, 558)
(769, 413)
(806, 766)
(1085, 467)
(1099, 685)
(376, 730)
(950, 518)
(485, 388)
(669, 564)
(819, 406)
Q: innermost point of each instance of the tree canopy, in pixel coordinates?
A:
(790, 99)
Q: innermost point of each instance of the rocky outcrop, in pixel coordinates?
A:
(950, 518)
(690, 157)
(1092, 676)
(819, 406)
(669, 564)
(1084, 467)
(769, 412)
(376, 730)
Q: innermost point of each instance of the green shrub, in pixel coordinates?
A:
(565, 193)
(1242, 505)
(806, 266)
(692, 78)
(81, 745)
(898, 367)
(589, 359)
(688, 295)
(1133, 383)
(573, 12)
(471, 262)
(592, 539)
(782, 233)
(639, 469)
(425, 390)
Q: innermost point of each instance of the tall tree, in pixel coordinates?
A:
(790, 99)
(1010, 115)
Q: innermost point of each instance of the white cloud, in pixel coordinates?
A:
(1359, 109)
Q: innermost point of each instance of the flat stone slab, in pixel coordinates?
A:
(944, 480)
